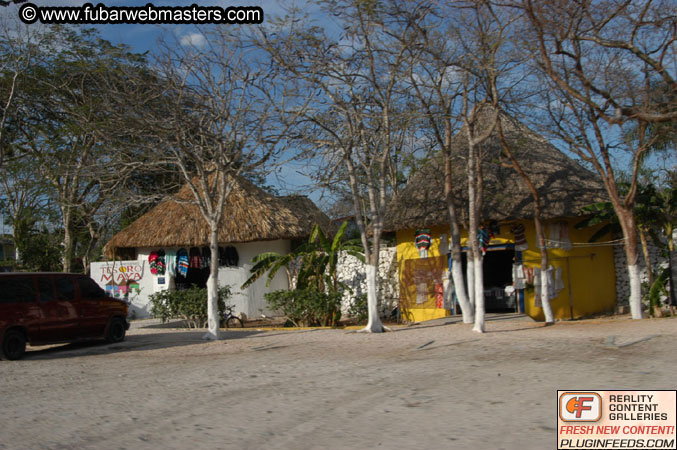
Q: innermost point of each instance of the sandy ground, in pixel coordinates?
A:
(432, 386)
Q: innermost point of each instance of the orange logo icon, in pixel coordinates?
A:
(580, 407)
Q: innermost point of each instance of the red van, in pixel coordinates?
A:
(48, 308)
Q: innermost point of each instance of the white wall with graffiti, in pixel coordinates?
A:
(134, 281)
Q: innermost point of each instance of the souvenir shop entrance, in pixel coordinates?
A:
(497, 270)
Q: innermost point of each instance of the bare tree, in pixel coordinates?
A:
(538, 220)
(354, 125)
(605, 64)
(433, 63)
(218, 112)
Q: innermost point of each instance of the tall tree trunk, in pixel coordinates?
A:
(473, 242)
(67, 257)
(545, 279)
(470, 275)
(647, 256)
(630, 232)
(374, 325)
(455, 233)
(213, 318)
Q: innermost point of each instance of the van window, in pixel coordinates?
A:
(65, 289)
(46, 289)
(89, 289)
(17, 290)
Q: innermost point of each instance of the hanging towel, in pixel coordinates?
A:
(170, 261)
(182, 262)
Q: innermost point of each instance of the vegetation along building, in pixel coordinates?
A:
(167, 248)
(582, 274)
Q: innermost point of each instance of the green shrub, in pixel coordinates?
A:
(359, 310)
(188, 304)
(307, 307)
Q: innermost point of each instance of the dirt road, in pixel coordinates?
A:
(436, 386)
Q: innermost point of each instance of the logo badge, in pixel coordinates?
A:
(580, 407)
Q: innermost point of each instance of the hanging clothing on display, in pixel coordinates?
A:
(152, 262)
(182, 262)
(518, 277)
(521, 243)
(170, 261)
(160, 262)
(483, 237)
(422, 241)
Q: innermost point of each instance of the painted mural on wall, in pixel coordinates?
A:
(120, 279)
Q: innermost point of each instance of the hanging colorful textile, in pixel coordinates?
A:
(483, 237)
(182, 262)
(422, 241)
(160, 262)
(152, 261)
(520, 241)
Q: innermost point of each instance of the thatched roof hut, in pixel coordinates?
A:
(563, 185)
(250, 214)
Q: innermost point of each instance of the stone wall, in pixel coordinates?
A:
(351, 271)
(622, 277)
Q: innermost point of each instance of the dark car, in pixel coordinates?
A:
(48, 308)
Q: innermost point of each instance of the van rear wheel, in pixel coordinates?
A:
(13, 345)
(116, 330)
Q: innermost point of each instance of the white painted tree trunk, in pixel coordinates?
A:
(545, 298)
(479, 294)
(374, 325)
(466, 306)
(635, 291)
(213, 319)
(470, 275)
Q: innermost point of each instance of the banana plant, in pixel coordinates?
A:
(312, 264)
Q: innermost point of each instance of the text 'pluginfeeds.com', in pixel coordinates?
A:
(149, 13)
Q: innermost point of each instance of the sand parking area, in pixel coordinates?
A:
(431, 386)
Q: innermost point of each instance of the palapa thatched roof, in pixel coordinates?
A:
(564, 185)
(250, 214)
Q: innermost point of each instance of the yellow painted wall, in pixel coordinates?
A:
(592, 278)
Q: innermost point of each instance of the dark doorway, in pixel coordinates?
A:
(497, 270)
(194, 278)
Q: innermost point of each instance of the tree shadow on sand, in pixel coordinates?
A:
(136, 342)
